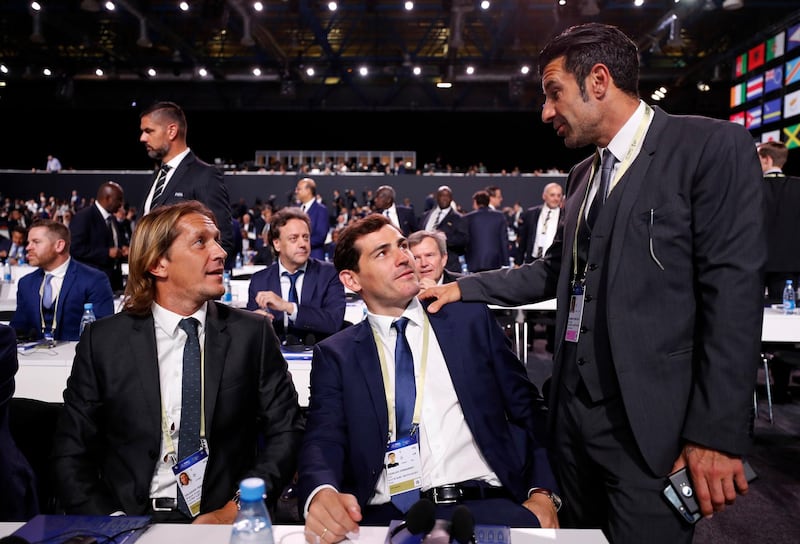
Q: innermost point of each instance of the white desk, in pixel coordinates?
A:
(293, 534)
(43, 373)
(777, 327)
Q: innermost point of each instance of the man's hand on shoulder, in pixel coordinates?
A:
(332, 517)
(444, 294)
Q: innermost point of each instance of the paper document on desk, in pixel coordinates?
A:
(56, 528)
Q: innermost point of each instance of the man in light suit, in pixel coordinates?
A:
(488, 235)
(401, 217)
(538, 224)
(163, 132)
(656, 371)
(319, 309)
(447, 220)
(306, 193)
(116, 442)
(71, 286)
(97, 239)
(477, 419)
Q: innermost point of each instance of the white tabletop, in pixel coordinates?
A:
(778, 327)
(293, 534)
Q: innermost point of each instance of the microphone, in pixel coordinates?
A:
(420, 519)
(462, 526)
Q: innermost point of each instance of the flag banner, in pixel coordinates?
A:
(755, 57)
(738, 118)
(792, 72)
(755, 87)
(791, 135)
(752, 118)
(740, 68)
(793, 37)
(773, 79)
(791, 104)
(776, 46)
(771, 136)
(737, 95)
(772, 111)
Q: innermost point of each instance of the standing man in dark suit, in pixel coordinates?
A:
(185, 177)
(71, 285)
(474, 430)
(488, 235)
(18, 501)
(128, 401)
(655, 368)
(97, 239)
(443, 217)
(318, 310)
(401, 217)
(538, 224)
(306, 193)
(430, 255)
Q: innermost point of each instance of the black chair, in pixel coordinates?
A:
(33, 425)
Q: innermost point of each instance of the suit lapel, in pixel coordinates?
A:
(366, 357)
(216, 349)
(142, 347)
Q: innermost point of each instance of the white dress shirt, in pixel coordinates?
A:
(545, 230)
(173, 164)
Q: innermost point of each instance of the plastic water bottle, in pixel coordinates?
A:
(21, 259)
(463, 262)
(238, 262)
(88, 315)
(252, 523)
(227, 297)
(6, 272)
(788, 298)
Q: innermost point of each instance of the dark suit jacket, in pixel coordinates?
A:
(82, 284)
(318, 214)
(450, 277)
(91, 241)
(406, 218)
(488, 239)
(18, 500)
(783, 223)
(322, 301)
(684, 335)
(527, 231)
(109, 436)
(194, 179)
(345, 438)
(455, 227)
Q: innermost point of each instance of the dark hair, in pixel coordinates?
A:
(481, 198)
(281, 217)
(168, 112)
(346, 255)
(776, 151)
(583, 46)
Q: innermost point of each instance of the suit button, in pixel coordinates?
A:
(581, 361)
(584, 329)
(592, 267)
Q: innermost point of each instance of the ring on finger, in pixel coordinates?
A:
(322, 535)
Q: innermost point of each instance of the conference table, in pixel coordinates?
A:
(293, 534)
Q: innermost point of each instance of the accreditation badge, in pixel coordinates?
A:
(575, 316)
(189, 473)
(403, 465)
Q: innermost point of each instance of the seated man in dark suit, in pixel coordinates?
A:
(430, 253)
(302, 296)
(447, 391)
(18, 500)
(50, 300)
(137, 412)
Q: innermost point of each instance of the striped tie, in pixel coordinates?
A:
(161, 182)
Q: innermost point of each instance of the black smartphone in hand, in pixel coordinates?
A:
(680, 493)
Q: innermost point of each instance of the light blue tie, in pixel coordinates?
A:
(405, 396)
(47, 292)
(189, 434)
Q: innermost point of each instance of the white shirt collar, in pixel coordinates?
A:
(621, 142)
(60, 271)
(168, 320)
(383, 323)
(105, 213)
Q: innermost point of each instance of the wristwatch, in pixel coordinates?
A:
(237, 499)
(557, 502)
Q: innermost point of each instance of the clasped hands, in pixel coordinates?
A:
(269, 300)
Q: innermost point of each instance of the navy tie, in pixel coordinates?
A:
(189, 435)
(293, 285)
(47, 292)
(606, 167)
(405, 396)
(161, 182)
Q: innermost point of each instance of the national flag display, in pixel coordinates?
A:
(772, 111)
(755, 87)
(755, 57)
(773, 79)
(792, 71)
(771, 136)
(740, 68)
(738, 118)
(752, 118)
(791, 104)
(793, 37)
(737, 95)
(776, 46)
(791, 137)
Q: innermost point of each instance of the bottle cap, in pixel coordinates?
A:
(252, 489)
